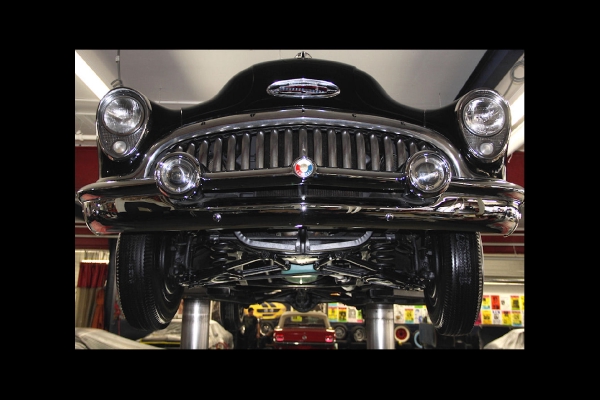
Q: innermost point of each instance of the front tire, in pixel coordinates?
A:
(453, 298)
(149, 298)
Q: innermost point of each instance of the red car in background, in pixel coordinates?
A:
(304, 330)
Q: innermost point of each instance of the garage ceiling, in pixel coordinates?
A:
(180, 78)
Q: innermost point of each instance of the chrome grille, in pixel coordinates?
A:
(278, 147)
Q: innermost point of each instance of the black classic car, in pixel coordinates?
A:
(301, 182)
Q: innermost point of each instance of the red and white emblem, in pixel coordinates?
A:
(303, 167)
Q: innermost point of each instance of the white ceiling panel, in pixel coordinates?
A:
(175, 78)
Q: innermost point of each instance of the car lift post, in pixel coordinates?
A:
(379, 323)
(196, 323)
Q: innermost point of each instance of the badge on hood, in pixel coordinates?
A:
(303, 88)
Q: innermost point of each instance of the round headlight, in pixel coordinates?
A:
(428, 173)
(484, 116)
(123, 115)
(178, 174)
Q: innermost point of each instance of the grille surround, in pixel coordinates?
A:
(275, 147)
(190, 138)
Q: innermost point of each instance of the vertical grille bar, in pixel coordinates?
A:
(402, 153)
(260, 150)
(191, 149)
(217, 155)
(388, 148)
(332, 148)
(288, 147)
(346, 150)
(412, 147)
(231, 153)
(374, 153)
(274, 148)
(303, 142)
(318, 145)
(203, 153)
(361, 154)
(245, 159)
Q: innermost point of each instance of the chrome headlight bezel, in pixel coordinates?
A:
(428, 174)
(178, 175)
(122, 121)
(485, 120)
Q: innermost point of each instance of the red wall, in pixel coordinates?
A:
(86, 166)
(86, 172)
(515, 169)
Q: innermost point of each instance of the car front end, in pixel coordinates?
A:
(303, 182)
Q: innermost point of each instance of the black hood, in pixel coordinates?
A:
(247, 92)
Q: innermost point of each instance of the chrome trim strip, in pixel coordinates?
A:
(332, 148)
(192, 150)
(346, 150)
(375, 152)
(260, 150)
(401, 151)
(245, 162)
(274, 149)
(231, 153)
(389, 155)
(318, 143)
(288, 147)
(361, 151)
(203, 152)
(217, 157)
(303, 142)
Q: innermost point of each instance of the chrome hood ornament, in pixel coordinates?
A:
(303, 88)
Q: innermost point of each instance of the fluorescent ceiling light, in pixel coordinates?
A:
(89, 77)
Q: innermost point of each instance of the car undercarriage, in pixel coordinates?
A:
(304, 268)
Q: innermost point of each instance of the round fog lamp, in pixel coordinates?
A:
(178, 174)
(428, 173)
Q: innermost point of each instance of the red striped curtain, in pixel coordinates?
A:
(89, 302)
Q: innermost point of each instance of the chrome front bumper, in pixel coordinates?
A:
(474, 205)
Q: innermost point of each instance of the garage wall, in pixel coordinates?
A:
(88, 255)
